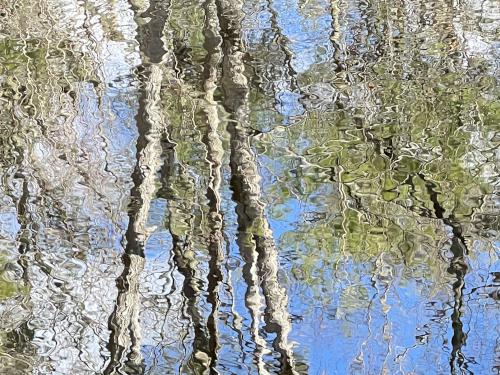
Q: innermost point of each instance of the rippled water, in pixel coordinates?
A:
(249, 187)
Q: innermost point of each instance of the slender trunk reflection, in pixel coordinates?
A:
(255, 237)
(458, 268)
(180, 226)
(124, 322)
(214, 156)
(178, 188)
(24, 238)
(282, 41)
(335, 37)
(125, 338)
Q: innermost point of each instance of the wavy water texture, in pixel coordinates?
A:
(249, 187)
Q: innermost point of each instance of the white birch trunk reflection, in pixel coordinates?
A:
(215, 152)
(255, 237)
(125, 339)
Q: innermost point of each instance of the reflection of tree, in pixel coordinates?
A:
(26, 111)
(179, 189)
(393, 176)
(407, 127)
(124, 322)
(458, 268)
(255, 238)
(125, 338)
(22, 335)
(335, 36)
(215, 153)
(283, 42)
(180, 225)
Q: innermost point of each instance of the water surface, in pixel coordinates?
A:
(249, 187)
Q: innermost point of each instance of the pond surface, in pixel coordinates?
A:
(249, 187)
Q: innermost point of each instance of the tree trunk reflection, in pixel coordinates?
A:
(255, 238)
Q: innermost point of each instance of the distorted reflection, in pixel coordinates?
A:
(249, 187)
